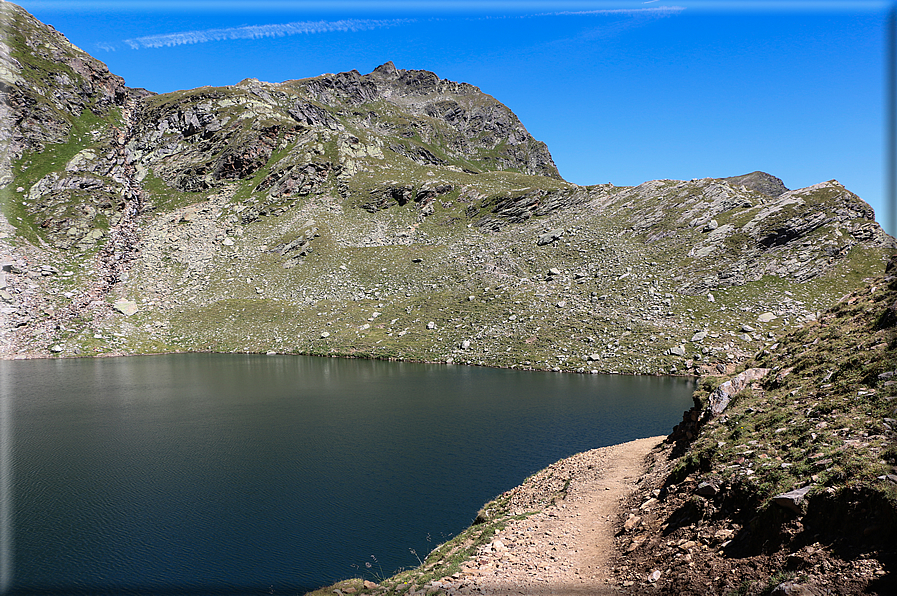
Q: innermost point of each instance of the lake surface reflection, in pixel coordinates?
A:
(243, 474)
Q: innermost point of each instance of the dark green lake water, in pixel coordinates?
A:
(236, 474)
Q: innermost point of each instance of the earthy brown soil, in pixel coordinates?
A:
(568, 547)
(671, 540)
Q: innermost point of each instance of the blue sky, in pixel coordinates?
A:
(621, 92)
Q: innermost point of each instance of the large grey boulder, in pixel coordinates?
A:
(792, 499)
(722, 395)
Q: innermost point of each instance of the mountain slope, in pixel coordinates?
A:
(794, 479)
(787, 486)
(389, 215)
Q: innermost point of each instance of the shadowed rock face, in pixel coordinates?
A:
(231, 215)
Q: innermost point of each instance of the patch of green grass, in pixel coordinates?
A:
(34, 165)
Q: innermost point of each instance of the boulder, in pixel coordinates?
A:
(707, 489)
(722, 395)
(125, 307)
(794, 589)
(792, 499)
(550, 236)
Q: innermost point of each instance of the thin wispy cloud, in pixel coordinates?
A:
(626, 19)
(260, 31)
(344, 25)
(658, 11)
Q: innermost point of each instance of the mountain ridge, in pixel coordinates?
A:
(319, 217)
(415, 214)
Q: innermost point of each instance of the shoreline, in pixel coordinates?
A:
(553, 532)
(522, 368)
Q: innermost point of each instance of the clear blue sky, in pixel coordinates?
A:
(621, 92)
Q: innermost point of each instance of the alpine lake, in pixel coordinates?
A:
(252, 474)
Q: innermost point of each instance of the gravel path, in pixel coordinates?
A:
(568, 546)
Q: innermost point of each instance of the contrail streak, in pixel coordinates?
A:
(259, 31)
(653, 11)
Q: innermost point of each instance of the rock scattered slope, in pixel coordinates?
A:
(790, 487)
(794, 482)
(387, 215)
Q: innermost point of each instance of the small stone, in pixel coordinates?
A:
(562, 304)
(431, 325)
(554, 272)
(699, 336)
(56, 349)
(677, 351)
(687, 545)
(648, 504)
(766, 317)
(325, 334)
(465, 345)
(228, 242)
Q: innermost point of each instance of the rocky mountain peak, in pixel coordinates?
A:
(761, 182)
(386, 69)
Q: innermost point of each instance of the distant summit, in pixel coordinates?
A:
(761, 182)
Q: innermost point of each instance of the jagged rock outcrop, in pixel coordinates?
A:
(46, 83)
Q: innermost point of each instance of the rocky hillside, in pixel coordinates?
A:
(387, 215)
(781, 480)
